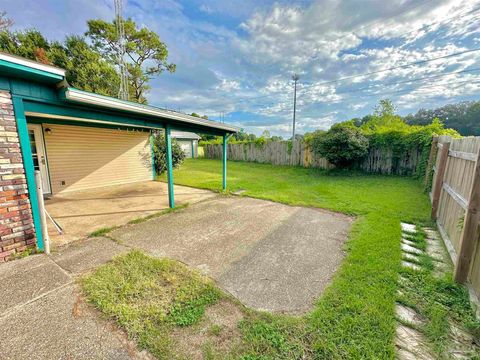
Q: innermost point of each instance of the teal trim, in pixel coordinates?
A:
(152, 152)
(46, 159)
(37, 120)
(19, 111)
(87, 114)
(26, 72)
(224, 161)
(168, 140)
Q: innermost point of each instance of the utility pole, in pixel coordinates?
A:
(123, 91)
(295, 78)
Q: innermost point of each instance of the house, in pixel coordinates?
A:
(77, 140)
(188, 141)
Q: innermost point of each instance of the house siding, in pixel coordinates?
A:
(81, 158)
(17, 231)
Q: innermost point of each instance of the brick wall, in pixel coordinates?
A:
(16, 224)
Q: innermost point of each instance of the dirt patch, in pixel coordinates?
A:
(217, 332)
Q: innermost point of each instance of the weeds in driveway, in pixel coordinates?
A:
(107, 230)
(148, 296)
(162, 305)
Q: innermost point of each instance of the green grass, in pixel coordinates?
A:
(148, 296)
(354, 318)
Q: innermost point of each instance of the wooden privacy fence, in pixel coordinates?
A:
(455, 197)
(297, 153)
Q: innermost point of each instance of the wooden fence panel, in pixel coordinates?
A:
(457, 211)
(379, 160)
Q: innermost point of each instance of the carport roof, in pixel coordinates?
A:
(17, 67)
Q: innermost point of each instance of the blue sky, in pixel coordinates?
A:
(237, 57)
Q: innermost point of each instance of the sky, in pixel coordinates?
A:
(235, 59)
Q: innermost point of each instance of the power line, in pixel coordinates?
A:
(392, 68)
(401, 35)
(436, 22)
(410, 81)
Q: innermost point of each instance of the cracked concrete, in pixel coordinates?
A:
(255, 249)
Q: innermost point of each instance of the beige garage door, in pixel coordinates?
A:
(82, 158)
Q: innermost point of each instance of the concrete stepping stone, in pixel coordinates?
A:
(408, 315)
(411, 265)
(463, 344)
(413, 342)
(411, 249)
(408, 242)
(410, 257)
(408, 227)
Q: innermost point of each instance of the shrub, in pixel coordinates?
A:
(342, 145)
(160, 153)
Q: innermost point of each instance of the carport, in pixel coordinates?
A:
(44, 105)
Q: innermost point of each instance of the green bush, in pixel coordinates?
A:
(160, 153)
(342, 145)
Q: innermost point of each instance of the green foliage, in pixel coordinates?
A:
(148, 296)
(354, 317)
(85, 67)
(383, 129)
(146, 54)
(462, 117)
(342, 145)
(160, 153)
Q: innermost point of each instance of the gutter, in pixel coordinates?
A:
(80, 96)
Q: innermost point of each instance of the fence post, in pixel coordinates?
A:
(470, 228)
(439, 174)
(431, 157)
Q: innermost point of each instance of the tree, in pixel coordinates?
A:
(85, 67)
(146, 53)
(265, 134)
(384, 108)
(160, 153)
(5, 22)
(30, 44)
(342, 145)
(463, 116)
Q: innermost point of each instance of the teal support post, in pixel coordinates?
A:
(26, 150)
(224, 160)
(154, 171)
(168, 141)
(193, 149)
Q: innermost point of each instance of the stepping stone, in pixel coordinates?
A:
(408, 315)
(412, 341)
(432, 234)
(408, 227)
(408, 242)
(463, 343)
(410, 257)
(410, 265)
(411, 249)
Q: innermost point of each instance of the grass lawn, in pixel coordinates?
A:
(353, 319)
(355, 316)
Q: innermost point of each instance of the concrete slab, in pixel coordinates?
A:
(255, 249)
(87, 254)
(80, 213)
(26, 279)
(59, 326)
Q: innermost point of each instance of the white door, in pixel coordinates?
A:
(35, 133)
(186, 146)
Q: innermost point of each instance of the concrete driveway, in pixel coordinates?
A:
(80, 213)
(270, 256)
